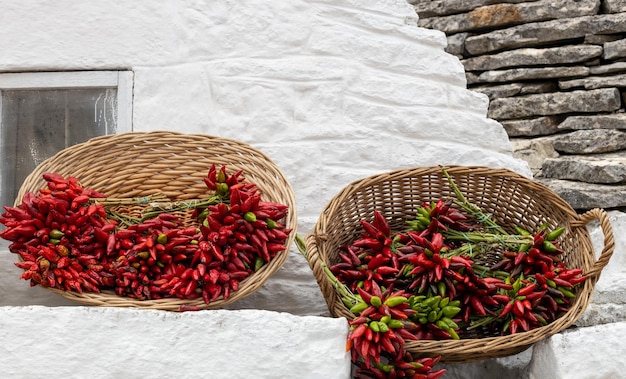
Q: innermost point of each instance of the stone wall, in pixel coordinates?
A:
(555, 74)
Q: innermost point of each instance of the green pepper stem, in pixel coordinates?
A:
(474, 210)
(341, 288)
(156, 206)
(482, 322)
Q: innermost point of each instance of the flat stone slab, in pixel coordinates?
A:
(599, 121)
(534, 151)
(608, 68)
(504, 14)
(592, 101)
(495, 91)
(590, 141)
(534, 73)
(598, 168)
(614, 49)
(542, 33)
(533, 57)
(593, 82)
(532, 127)
(587, 195)
(429, 8)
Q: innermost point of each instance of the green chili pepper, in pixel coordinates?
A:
(555, 234)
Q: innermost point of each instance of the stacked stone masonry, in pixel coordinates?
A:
(555, 75)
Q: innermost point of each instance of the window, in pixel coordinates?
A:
(42, 113)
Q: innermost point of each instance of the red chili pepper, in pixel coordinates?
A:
(381, 223)
(535, 295)
(518, 308)
(477, 306)
(371, 230)
(561, 282)
(526, 290)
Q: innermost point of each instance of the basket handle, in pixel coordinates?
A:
(609, 241)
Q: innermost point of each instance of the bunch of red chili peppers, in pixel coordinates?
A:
(453, 273)
(68, 240)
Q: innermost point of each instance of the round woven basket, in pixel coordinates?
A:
(142, 164)
(508, 197)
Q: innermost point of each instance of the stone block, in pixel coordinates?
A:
(534, 151)
(533, 73)
(598, 121)
(588, 141)
(429, 8)
(613, 6)
(597, 168)
(541, 33)
(583, 196)
(456, 44)
(611, 68)
(505, 14)
(532, 127)
(594, 82)
(533, 57)
(614, 49)
(592, 101)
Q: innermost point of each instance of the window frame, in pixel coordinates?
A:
(120, 80)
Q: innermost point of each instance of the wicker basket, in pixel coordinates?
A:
(507, 196)
(141, 164)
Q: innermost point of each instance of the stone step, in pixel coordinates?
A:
(598, 168)
(584, 196)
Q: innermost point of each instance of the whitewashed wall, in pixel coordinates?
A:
(331, 90)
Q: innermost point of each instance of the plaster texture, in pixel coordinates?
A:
(102, 342)
(332, 91)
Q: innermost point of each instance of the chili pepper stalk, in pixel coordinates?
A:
(474, 210)
(345, 293)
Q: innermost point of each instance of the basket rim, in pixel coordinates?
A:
(161, 139)
(358, 184)
(468, 349)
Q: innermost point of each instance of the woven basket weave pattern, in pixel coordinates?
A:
(137, 164)
(509, 198)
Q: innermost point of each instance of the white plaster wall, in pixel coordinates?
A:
(332, 90)
(100, 342)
